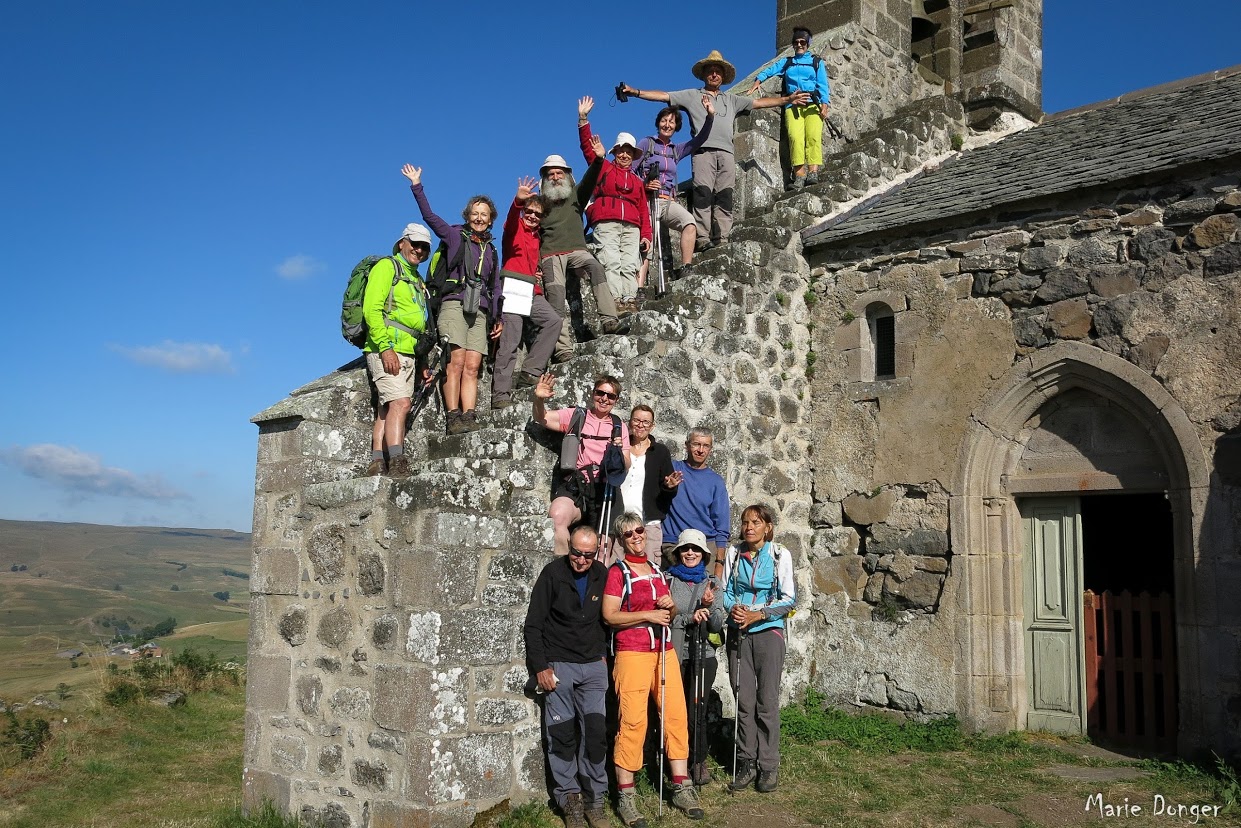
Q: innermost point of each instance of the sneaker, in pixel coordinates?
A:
(812, 178)
(525, 380)
(596, 817)
(375, 468)
(643, 295)
(743, 776)
(574, 815)
(399, 466)
(627, 809)
(452, 422)
(615, 326)
(685, 798)
(700, 773)
(799, 182)
(767, 780)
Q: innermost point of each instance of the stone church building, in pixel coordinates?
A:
(988, 373)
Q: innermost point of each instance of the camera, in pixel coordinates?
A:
(652, 173)
(621, 94)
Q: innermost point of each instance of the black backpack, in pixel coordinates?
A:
(443, 278)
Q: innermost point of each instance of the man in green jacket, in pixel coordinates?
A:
(394, 307)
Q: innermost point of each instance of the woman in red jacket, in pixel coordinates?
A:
(619, 214)
(523, 297)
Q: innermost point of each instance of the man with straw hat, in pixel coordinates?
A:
(715, 170)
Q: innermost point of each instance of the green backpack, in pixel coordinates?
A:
(352, 323)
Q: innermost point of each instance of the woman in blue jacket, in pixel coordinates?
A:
(803, 123)
(759, 592)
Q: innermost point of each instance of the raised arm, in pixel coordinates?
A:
(691, 146)
(645, 94)
(440, 227)
(542, 393)
(584, 105)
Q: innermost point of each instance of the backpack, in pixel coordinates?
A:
(353, 324)
(440, 279)
(788, 64)
(627, 590)
(573, 438)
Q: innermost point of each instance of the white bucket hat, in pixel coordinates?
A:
(625, 139)
(554, 161)
(416, 233)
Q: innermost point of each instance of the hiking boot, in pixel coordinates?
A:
(501, 404)
(642, 296)
(685, 798)
(562, 356)
(375, 468)
(596, 817)
(700, 773)
(798, 182)
(399, 466)
(743, 775)
(452, 422)
(468, 422)
(627, 809)
(525, 380)
(615, 326)
(767, 780)
(574, 815)
(812, 178)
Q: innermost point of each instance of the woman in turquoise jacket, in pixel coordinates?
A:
(803, 123)
(759, 593)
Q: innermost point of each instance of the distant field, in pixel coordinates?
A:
(70, 585)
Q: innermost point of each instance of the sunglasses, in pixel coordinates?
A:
(607, 395)
(637, 531)
(801, 41)
(535, 213)
(577, 553)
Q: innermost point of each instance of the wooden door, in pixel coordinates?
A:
(1053, 615)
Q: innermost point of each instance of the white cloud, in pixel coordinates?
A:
(181, 357)
(82, 473)
(300, 266)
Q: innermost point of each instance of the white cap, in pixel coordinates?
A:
(554, 161)
(625, 139)
(416, 233)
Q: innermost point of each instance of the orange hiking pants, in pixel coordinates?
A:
(636, 677)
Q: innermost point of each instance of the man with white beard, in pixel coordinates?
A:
(564, 248)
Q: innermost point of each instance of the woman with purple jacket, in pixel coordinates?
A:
(467, 290)
(659, 167)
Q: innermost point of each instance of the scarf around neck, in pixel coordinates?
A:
(692, 574)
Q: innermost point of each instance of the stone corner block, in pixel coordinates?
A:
(267, 683)
(258, 787)
(275, 572)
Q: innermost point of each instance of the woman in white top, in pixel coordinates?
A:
(650, 483)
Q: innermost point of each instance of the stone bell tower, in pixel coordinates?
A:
(986, 54)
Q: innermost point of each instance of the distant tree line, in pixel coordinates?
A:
(17, 568)
(232, 573)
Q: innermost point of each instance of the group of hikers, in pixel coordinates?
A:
(645, 576)
(619, 592)
(472, 298)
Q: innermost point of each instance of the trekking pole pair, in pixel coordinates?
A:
(657, 247)
(605, 517)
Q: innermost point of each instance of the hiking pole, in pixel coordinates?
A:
(700, 712)
(657, 246)
(663, 658)
(605, 515)
(736, 682)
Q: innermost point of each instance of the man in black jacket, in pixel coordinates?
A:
(565, 647)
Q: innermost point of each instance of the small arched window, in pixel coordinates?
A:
(881, 325)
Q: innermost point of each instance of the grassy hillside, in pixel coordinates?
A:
(68, 585)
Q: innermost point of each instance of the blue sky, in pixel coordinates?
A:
(186, 187)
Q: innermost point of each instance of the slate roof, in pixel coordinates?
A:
(1159, 129)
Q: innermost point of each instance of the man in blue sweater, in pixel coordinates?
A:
(701, 501)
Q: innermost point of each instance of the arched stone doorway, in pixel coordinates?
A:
(1009, 455)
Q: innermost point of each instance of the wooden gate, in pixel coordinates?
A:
(1130, 670)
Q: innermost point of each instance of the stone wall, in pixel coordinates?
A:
(1150, 276)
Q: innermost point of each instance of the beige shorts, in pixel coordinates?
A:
(453, 327)
(673, 214)
(391, 386)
